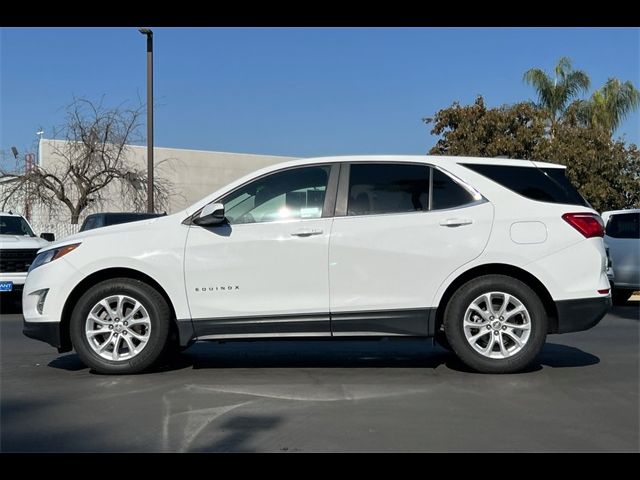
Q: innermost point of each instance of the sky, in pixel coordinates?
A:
(293, 91)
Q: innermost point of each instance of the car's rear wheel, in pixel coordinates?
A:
(121, 326)
(496, 324)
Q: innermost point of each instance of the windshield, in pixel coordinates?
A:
(15, 226)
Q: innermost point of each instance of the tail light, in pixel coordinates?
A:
(588, 224)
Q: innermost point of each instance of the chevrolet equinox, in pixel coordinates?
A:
(487, 256)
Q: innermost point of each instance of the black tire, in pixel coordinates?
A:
(620, 296)
(465, 295)
(159, 313)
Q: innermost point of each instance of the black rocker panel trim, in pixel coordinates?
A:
(413, 322)
(410, 322)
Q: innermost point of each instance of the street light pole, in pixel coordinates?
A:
(149, 35)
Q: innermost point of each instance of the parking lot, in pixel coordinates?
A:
(317, 396)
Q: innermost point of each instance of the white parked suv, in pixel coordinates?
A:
(18, 248)
(486, 255)
(622, 238)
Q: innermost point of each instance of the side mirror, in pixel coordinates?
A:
(212, 214)
(49, 237)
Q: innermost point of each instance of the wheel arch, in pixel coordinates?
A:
(501, 269)
(99, 276)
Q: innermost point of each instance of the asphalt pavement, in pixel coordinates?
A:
(582, 394)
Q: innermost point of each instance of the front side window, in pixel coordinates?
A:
(15, 226)
(297, 193)
(624, 225)
(376, 188)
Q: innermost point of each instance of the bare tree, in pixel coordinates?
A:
(95, 153)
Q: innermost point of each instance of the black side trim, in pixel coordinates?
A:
(416, 322)
(581, 314)
(186, 332)
(48, 332)
(291, 325)
(343, 190)
(330, 194)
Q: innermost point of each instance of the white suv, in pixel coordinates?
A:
(18, 248)
(486, 255)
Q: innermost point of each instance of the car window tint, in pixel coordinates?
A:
(296, 193)
(624, 225)
(89, 223)
(376, 188)
(447, 193)
(543, 184)
(15, 226)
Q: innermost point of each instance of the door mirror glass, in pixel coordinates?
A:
(212, 214)
(49, 237)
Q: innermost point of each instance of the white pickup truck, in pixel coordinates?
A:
(18, 247)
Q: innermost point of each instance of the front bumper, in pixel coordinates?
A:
(48, 332)
(581, 314)
(18, 278)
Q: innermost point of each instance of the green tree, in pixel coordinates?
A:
(609, 105)
(556, 92)
(474, 130)
(606, 172)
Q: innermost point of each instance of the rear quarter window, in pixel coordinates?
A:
(542, 184)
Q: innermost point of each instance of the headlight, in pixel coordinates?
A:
(50, 255)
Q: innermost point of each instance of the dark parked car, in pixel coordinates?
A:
(97, 220)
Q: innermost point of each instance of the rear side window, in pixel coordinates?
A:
(376, 188)
(542, 184)
(447, 193)
(624, 225)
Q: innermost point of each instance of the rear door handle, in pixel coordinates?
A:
(306, 232)
(456, 222)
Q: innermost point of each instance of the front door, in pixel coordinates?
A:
(399, 231)
(264, 272)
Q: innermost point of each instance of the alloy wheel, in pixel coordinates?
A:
(497, 325)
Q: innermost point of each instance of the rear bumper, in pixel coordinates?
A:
(581, 314)
(48, 332)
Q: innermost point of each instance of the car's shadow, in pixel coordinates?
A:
(10, 303)
(629, 311)
(341, 354)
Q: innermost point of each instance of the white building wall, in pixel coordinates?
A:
(193, 174)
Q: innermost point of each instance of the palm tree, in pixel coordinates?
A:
(554, 94)
(609, 105)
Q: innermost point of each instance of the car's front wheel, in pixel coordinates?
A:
(496, 324)
(121, 326)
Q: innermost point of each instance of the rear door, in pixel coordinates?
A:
(400, 230)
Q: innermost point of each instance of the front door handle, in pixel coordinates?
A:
(456, 222)
(307, 232)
